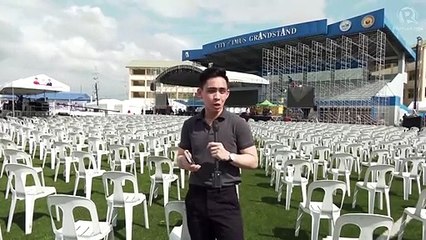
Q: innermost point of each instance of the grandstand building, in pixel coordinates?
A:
(143, 73)
(357, 66)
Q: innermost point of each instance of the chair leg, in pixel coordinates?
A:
(88, 187)
(387, 202)
(145, 211)
(11, 212)
(289, 191)
(315, 226)
(402, 227)
(304, 195)
(348, 184)
(371, 201)
(166, 186)
(298, 221)
(151, 192)
(354, 197)
(29, 212)
(77, 180)
(182, 178)
(57, 171)
(178, 188)
(129, 217)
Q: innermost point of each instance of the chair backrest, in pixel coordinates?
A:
(158, 163)
(81, 156)
(118, 178)
(365, 221)
(300, 166)
(62, 149)
(67, 203)
(329, 187)
(323, 153)
(14, 155)
(413, 166)
(118, 152)
(179, 207)
(20, 172)
(380, 175)
(342, 161)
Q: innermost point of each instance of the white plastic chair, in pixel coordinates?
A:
(325, 209)
(72, 229)
(320, 156)
(134, 150)
(410, 169)
(87, 173)
(181, 231)
(293, 171)
(165, 179)
(119, 157)
(21, 191)
(63, 151)
(378, 179)
(418, 213)
(367, 223)
(341, 165)
(12, 156)
(173, 154)
(120, 199)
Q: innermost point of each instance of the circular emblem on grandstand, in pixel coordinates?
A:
(367, 21)
(187, 54)
(345, 25)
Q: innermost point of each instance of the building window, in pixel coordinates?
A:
(410, 93)
(137, 94)
(139, 72)
(138, 83)
(411, 75)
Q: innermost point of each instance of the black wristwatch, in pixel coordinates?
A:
(232, 157)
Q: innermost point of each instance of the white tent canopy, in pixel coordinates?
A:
(37, 84)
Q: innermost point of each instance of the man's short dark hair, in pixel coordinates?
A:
(212, 72)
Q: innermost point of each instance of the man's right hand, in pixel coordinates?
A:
(183, 163)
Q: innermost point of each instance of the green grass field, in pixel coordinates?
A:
(264, 217)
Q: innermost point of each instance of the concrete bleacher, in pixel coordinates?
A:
(361, 93)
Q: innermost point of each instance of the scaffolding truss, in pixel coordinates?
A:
(346, 73)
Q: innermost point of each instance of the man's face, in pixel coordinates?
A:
(214, 94)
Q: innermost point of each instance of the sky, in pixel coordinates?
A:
(74, 40)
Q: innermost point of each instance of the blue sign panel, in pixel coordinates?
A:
(366, 22)
(189, 55)
(270, 35)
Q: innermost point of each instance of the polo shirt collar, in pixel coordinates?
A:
(221, 117)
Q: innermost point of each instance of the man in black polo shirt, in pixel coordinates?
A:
(219, 143)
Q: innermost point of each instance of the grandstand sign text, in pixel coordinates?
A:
(255, 37)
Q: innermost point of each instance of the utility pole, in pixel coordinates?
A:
(418, 53)
(96, 80)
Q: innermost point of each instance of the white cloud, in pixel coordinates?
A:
(239, 11)
(70, 43)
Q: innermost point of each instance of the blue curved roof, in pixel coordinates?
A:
(240, 52)
(65, 96)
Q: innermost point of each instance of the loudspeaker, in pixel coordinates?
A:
(412, 121)
(300, 97)
(153, 86)
(161, 100)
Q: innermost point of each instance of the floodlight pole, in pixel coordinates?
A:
(13, 101)
(418, 45)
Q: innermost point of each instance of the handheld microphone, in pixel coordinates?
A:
(217, 174)
(215, 130)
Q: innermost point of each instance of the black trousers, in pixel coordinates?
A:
(213, 213)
